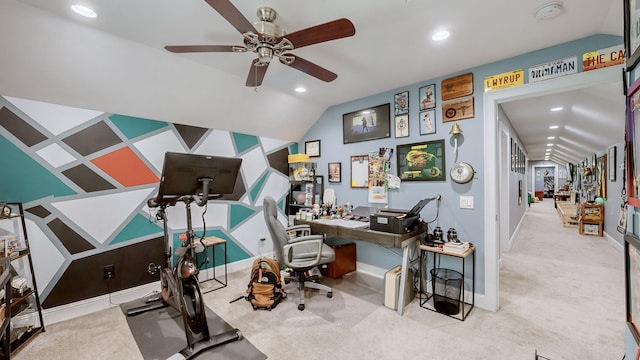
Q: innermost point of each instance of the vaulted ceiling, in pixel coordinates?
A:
(117, 62)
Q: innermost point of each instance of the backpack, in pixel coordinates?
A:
(265, 285)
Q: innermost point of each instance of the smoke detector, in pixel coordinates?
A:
(549, 10)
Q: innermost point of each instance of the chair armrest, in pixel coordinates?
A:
(301, 230)
(314, 240)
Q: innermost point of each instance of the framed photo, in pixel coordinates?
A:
(312, 148)
(612, 163)
(401, 103)
(402, 126)
(427, 97)
(423, 161)
(631, 37)
(633, 146)
(632, 285)
(428, 122)
(513, 155)
(360, 171)
(335, 172)
(367, 124)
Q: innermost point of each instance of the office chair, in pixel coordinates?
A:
(300, 253)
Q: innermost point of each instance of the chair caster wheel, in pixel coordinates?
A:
(330, 294)
(301, 307)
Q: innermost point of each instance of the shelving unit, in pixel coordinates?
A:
(591, 219)
(25, 310)
(306, 187)
(5, 311)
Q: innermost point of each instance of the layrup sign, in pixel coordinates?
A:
(504, 80)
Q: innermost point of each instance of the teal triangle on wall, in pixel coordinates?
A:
(133, 127)
(244, 142)
(138, 227)
(281, 204)
(24, 179)
(239, 213)
(258, 186)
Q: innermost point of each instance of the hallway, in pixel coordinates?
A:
(566, 289)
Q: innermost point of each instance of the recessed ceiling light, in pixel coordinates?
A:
(548, 150)
(84, 11)
(440, 35)
(553, 127)
(549, 144)
(551, 137)
(557, 108)
(300, 89)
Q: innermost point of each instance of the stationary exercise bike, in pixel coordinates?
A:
(189, 179)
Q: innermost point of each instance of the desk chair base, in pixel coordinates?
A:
(308, 282)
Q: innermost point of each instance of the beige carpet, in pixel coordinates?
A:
(561, 294)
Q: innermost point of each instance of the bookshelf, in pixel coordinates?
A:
(591, 219)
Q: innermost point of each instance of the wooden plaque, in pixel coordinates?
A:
(457, 86)
(458, 109)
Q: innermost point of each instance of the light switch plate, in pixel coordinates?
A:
(466, 202)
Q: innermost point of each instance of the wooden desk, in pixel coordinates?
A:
(406, 241)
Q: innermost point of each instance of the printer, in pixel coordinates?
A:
(398, 221)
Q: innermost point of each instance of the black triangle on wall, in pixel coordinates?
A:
(190, 134)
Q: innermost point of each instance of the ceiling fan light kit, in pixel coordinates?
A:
(266, 40)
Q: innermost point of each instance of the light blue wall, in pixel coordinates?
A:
(468, 223)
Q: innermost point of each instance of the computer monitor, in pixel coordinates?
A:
(183, 174)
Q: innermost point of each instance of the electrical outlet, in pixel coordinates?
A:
(109, 272)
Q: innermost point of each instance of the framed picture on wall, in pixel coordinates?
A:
(633, 146)
(632, 278)
(402, 125)
(631, 37)
(367, 124)
(312, 148)
(427, 96)
(335, 172)
(427, 122)
(401, 103)
(423, 161)
(360, 171)
(612, 163)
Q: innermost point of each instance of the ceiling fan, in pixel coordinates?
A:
(267, 40)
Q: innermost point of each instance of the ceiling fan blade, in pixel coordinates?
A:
(256, 74)
(198, 48)
(332, 30)
(232, 15)
(310, 68)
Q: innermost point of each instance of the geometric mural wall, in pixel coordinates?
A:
(85, 176)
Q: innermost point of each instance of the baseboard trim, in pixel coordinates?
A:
(98, 303)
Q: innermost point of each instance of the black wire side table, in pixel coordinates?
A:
(465, 307)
